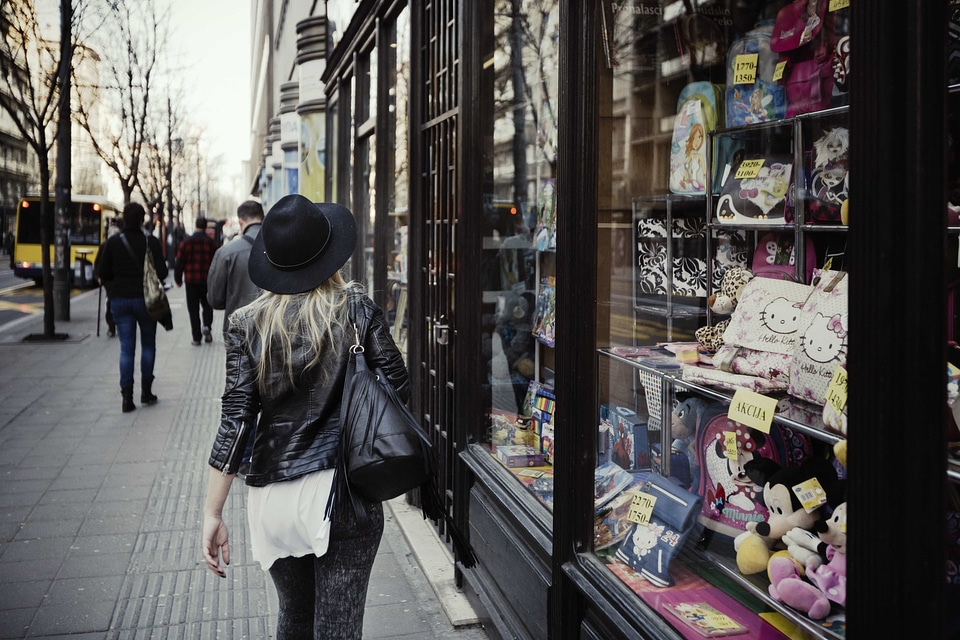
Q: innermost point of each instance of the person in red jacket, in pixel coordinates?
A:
(193, 262)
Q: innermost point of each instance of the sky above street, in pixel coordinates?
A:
(212, 38)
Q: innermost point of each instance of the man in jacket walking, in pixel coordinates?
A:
(193, 262)
(229, 286)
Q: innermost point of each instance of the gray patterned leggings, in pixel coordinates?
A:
(324, 598)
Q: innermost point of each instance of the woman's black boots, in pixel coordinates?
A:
(127, 393)
(146, 395)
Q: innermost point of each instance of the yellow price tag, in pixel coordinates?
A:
(752, 409)
(778, 71)
(836, 5)
(749, 169)
(810, 494)
(837, 389)
(730, 445)
(641, 508)
(745, 68)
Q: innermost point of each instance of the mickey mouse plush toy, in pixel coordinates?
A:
(756, 545)
(827, 580)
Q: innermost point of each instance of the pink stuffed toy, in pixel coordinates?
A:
(827, 581)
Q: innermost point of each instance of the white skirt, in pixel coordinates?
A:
(287, 518)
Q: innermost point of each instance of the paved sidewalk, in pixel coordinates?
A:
(100, 510)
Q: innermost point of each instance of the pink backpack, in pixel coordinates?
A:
(730, 498)
(775, 257)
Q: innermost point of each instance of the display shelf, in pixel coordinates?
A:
(714, 548)
(757, 585)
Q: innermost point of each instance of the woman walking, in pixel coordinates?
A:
(120, 270)
(286, 358)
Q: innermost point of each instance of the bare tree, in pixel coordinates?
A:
(131, 41)
(29, 93)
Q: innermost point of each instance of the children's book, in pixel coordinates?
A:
(705, 619)
(545, 316)
(545, 234)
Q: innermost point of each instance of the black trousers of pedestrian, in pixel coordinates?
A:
(324, 597)
(197, 298)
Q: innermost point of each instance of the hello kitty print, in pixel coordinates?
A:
(822, 344)
(767, 316)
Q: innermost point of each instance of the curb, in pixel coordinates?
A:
(435, 560)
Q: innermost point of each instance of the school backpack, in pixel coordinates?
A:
(804, 35)
(775, 257)
(699, 109)
(752, 95)
(730, 498)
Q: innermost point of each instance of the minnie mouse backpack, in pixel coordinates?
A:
(723, 447)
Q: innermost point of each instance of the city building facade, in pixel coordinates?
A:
(509, 162)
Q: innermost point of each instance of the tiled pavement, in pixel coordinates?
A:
(100, 510)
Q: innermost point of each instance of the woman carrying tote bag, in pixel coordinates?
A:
(120, 269)
(287, 354)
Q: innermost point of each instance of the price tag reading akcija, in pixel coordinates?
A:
(752, 409)
(641, 508)
(749, 169)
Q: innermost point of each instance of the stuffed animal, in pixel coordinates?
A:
(786, 512)
(723, 303)
(826, 573)
(689, 415)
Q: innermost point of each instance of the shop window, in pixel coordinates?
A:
(723, 150)
(520, 94)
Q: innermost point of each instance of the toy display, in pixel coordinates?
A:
(723, 303)
(824, 557)
(785, 510)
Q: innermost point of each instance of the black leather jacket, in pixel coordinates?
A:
(299, 429)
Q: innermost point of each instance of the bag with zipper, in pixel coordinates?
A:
(805, 37)
(752, 95)
(699, 110)
(650, 548)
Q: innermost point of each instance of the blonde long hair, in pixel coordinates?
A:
(308, 319)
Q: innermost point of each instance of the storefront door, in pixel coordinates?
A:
(434, 342)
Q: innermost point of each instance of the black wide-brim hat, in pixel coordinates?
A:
(301, 244)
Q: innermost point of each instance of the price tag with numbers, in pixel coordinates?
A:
(837, 389)
(778, 70)
(745, 68)
(730, 445)
(641, 508)
(749, 169)
(836, 5)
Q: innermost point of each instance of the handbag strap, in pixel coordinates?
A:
(126, 243)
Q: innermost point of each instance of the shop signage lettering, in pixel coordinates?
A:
(636, 9)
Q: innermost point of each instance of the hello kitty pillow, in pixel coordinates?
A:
(767, 316)
(822, 337)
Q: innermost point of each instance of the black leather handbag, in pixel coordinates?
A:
(386, 453)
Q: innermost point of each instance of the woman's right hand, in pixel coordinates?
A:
(215, 544)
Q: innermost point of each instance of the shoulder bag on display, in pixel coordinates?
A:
(153, 294)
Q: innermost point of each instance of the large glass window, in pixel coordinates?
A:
(722, 181)
(519, 237)
(397, 135)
